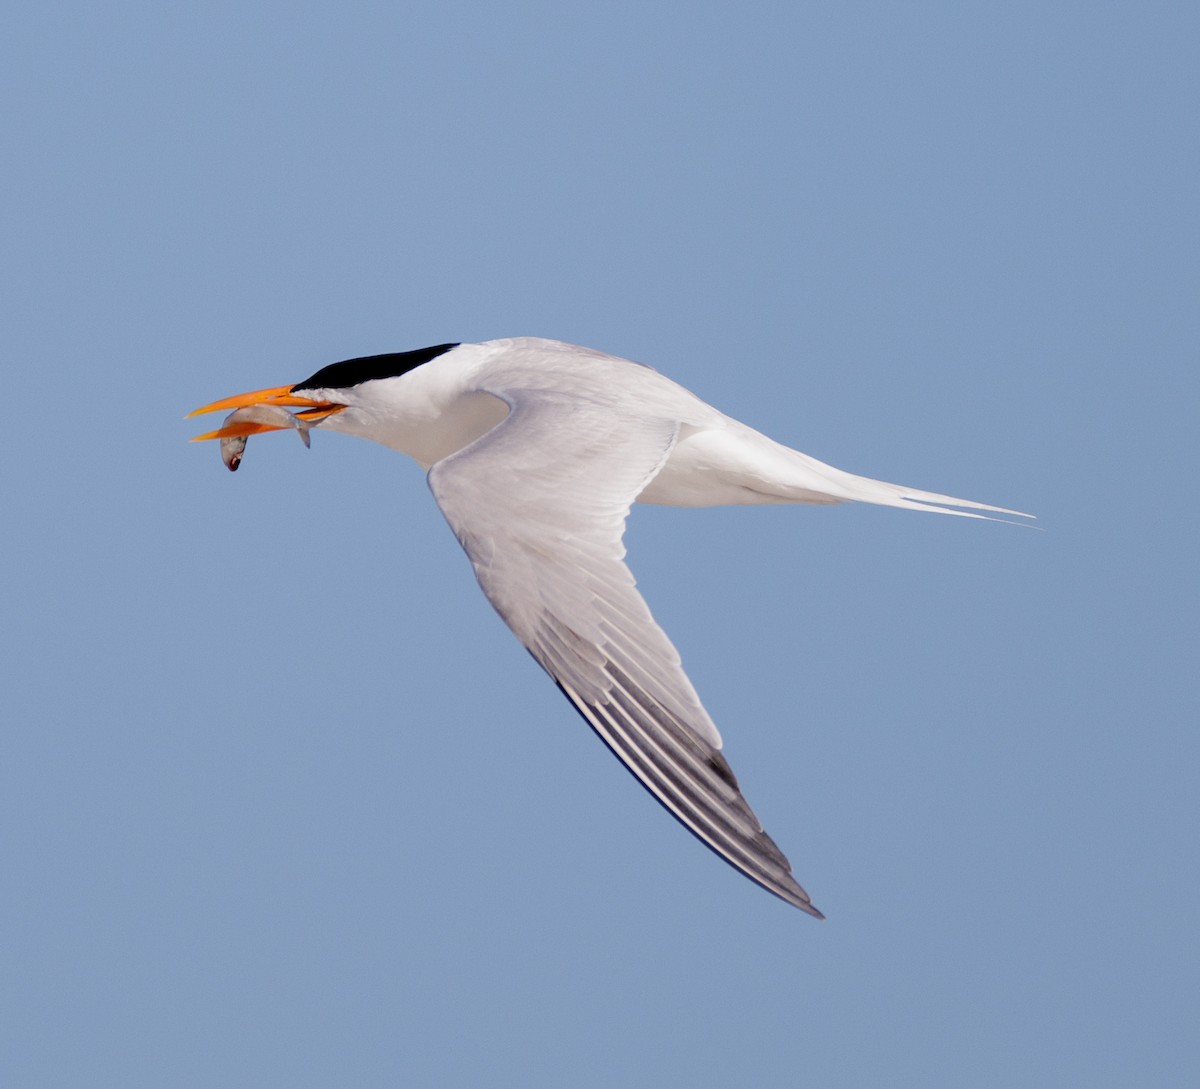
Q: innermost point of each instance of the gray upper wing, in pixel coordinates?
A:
(539, 504)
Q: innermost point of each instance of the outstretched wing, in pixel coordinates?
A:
(539, 503)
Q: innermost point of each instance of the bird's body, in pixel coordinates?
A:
(536, 449)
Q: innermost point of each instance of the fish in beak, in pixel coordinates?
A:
(260, 411)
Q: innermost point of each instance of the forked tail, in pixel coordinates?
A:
(816, 478)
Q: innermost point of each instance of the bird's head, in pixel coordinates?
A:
(330, 391)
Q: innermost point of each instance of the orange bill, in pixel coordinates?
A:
(280, 396)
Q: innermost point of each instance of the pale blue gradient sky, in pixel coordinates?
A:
(260, 826)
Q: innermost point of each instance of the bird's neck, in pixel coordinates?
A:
(428, 413)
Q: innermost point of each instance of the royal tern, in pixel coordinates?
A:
(535, 451)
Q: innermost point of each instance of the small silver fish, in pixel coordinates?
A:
(232, 446)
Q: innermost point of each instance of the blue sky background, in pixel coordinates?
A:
(281, 801)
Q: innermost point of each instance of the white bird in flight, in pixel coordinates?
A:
(535, 451)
